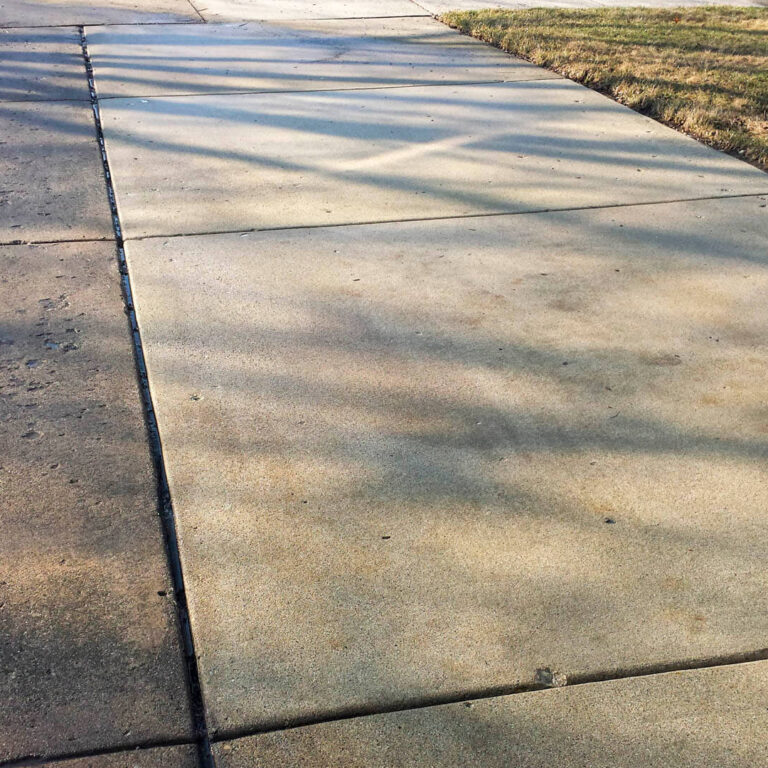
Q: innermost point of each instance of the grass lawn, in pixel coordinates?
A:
(701, 70)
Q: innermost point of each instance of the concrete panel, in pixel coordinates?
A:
(53, 13)
(266, 10)
(42, 64)
(161, 757)
(223, 163)
(89, 647)
(713, 718)
(50, 164)
(415, 460)
(293, 56)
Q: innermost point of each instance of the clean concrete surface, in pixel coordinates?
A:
(160, 757)
(214, 163)
(89, 647)
(265, 10)
(160, 60)
(712, 717)
(52, 180)
(41, 64)
(52, 13)
(417, 459)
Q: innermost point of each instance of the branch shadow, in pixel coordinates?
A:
(89, 644)
(415, 460)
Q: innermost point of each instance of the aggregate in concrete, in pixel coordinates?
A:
(161, 60)
(419, 459)
(89, 647)
(52, 180)
(225, 163)
(52, 13)
(265, 10)
(42, 64)
(161, 757)
(712, 718)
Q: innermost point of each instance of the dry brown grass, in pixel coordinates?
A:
(700, 70)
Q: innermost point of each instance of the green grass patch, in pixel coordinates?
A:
(701, 70)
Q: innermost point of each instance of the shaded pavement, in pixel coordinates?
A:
(368, 397)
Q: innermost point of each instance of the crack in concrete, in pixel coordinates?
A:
(454, 217)
(197, 11)
(538, 684)
(204, 739)
(565, 680)
(196, 702)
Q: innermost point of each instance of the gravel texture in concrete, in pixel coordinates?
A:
(224, 163)
(160, 757)
(411, 461)
(89, 648)
(52, 179)
(265, 10)
(715, 718)
(415, 460)
(42, 64)
(162, 60)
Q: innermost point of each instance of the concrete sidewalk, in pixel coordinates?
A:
(453, 444)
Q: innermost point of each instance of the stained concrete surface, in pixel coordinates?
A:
(160, 757)
(52, 179)
(52, 13)
(41, 64)
(222, 163)
(713, 717)
(413, 460)
(161, 60)
(89, 648)
(409, 460)
(265, 10)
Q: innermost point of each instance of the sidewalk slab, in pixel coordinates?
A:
(293, 56)
(416, 459)
(53, 182)
(709, 718)
(42, 64)
(89, 647)
(226, 163)
(161, 757)
(267, 10)
(54, 13)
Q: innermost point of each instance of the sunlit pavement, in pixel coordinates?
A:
(369, 397)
